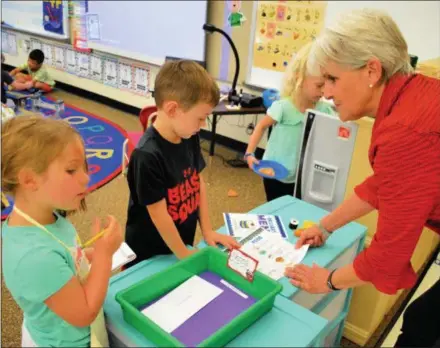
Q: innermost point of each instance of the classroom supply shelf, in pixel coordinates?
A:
(135, 297)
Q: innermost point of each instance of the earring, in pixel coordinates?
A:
(370, 85)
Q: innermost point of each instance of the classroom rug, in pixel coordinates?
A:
(103, 140)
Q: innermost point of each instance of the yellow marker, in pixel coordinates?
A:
(93, 239)
(5, 200)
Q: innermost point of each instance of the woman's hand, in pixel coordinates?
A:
(311, 279)
(312, 236)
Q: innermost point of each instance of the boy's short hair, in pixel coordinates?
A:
(37, 55)
(185, 82)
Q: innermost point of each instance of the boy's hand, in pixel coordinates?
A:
(251, 160)
(213, 238)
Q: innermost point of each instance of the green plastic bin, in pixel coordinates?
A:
(263, 289)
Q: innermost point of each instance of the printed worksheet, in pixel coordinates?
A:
(273, 253)
(96, 68)
(71, 61)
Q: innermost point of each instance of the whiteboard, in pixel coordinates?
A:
(419, 22)
(148, 31)
(29, 16)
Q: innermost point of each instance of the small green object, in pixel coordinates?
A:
(263, 288)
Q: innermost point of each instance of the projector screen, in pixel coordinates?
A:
(148, 31)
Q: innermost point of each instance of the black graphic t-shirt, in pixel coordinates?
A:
(160, 170)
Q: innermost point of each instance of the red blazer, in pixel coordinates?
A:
(405, 187)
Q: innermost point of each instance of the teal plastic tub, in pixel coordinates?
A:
(263, 289)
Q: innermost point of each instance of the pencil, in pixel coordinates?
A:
(94, 239)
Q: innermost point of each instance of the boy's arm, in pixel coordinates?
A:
(18, 69)
(167, 229)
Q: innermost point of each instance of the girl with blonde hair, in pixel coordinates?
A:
(301, 90)
(45, 267)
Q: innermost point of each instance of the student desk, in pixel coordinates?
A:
(222, 110)
(298, 318)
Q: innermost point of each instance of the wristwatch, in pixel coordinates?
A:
(324, 231)
(330, 283)
(248, 154)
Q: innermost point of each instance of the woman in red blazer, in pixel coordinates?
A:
(364, 59)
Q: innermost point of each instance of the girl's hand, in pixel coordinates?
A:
(251, 160)
(112, 238)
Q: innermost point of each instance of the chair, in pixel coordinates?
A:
(147, 116)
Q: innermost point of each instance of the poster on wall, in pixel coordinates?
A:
(53, 16)
(283, 28)
(12, 44)
(5, 43)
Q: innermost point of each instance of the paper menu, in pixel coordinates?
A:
(239, 225)
(273, 253)
(172, 310)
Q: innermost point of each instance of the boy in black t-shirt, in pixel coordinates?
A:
(167, 193)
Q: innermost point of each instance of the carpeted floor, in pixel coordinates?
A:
(113, 199)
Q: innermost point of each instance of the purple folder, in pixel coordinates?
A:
(213, 316)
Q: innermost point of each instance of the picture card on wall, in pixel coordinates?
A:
(48, 54)
(83, 65)
(59, 54)
(36, 45)
(141, 81)
(96, 68)
(110, 73)
(125, 80)
(12, 44)
(71, 61)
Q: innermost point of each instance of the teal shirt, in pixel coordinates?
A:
(36, 266)
(284, 142)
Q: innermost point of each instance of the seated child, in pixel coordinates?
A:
(167, 192)
(43, 166)
(37, 73)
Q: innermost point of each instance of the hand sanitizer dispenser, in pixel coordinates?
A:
(325, 158)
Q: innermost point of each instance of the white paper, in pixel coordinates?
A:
(125, 76)
(239, 225)
(48, 56)
(110, 73)
(12, 43)
(141, 81)
(83, 65)
(93, 32)
(96, 68)
(59, 57)
(122, 256)
(71, 61)
(172, 310)
(273, 253)
(5, 43)
(36, 45)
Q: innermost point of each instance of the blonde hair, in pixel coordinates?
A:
(185, 82)
(34, 142)
(358, 36)
(296, 72)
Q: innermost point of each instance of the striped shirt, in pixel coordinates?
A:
(405, 185)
